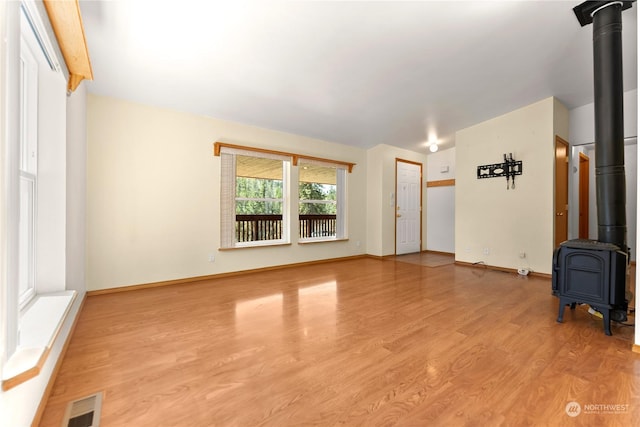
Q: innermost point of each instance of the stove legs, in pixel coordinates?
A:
(572, 306)
(606, 314)
(606, 318)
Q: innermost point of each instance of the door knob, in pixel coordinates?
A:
(398, 215)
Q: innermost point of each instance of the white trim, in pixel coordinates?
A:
(228, 198)
(29, 104)
(340, 203)
(342, 213)
(27, 272)
(26, 38)
(286, 203)
(258, 243)
(30, 11)
(10, 189)
(28, 162)
(39, 327)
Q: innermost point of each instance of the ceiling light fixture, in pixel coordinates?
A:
(433, 147)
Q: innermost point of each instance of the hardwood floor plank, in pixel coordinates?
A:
(359, 342)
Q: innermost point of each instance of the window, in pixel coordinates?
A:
(28, 172)
(254, 199)
(259, 199)
(321, 201)
(34, 142)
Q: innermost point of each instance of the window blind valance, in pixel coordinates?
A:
(223, 147)
(249, 151)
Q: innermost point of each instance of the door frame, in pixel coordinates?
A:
(583, 196)
(395, 204)
(565, 210)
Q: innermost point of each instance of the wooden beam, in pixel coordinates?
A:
(66, 21)
(217, 146)
(74, 81)
(442, 183)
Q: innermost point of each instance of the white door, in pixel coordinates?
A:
(408, 207)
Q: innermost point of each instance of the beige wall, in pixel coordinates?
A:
(76, 174)
(508, 222)
(441, 202)
(153, 195)
(560, 120)
(375, 198)
(381, 167)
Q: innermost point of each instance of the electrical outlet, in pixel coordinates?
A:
(467, 249)
(523, 254)
(485, 251)
(212, 258)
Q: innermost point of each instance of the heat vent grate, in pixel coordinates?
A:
(84, 412)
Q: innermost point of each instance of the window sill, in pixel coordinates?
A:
(264, 245)
(322, 240)
(39, 328)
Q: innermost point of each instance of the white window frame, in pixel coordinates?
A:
(341, 201)
(28, 168)
(23, 342)
(228, 198)
(27, 240)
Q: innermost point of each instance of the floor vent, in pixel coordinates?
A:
(84, 412)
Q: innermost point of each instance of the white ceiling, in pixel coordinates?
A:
(357, 73)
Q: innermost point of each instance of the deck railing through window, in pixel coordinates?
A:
(317, 225)
(251, 228)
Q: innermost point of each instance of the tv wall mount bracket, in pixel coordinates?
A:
(508, 169)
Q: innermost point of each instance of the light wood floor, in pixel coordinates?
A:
(427, 259)
(361, 342)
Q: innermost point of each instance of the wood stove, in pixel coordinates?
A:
(589, 271)
(594, 273)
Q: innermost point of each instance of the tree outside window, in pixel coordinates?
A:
(318, 207)
(258, 199)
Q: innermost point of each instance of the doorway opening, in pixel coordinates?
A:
(583, 197)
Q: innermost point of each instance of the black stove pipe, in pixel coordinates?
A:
(609, 124)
